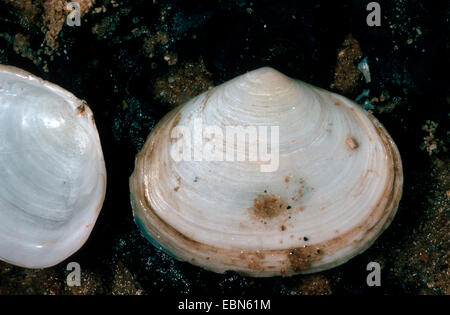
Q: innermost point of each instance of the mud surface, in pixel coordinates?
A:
(132, 61)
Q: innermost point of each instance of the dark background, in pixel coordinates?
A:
(132, 61)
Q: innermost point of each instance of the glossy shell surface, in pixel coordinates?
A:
(335, 188)
(52, 171)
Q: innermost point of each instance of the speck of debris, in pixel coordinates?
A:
(81, 109)
(351, 143)
(347, 76)
(431, 143)
(171, 58)
(183, 83)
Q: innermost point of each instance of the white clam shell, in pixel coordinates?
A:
(338, 183)
(52, 172)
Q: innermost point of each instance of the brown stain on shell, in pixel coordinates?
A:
(268, 206)
(174, 124)
(336, 102)
(207, 97)
(301, 258)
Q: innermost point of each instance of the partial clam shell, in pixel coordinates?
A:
(336, 189)
(52, 172)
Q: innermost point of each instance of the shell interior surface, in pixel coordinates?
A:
(52, 173)
(332, 188)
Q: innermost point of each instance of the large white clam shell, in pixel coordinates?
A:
(337, 187)
(52, 172)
